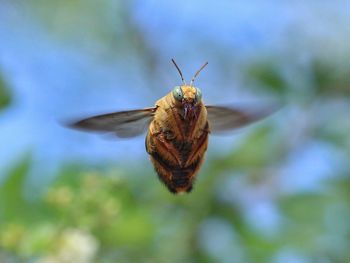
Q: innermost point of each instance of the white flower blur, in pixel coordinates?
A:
(74, 246)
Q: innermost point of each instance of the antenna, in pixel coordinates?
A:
(195, 75)
(178, 69)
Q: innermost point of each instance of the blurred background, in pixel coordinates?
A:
(277, 191)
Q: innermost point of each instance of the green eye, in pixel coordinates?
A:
(198, 94)
(177, 93)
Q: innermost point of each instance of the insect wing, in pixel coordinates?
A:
(223, 119)
(124, 124)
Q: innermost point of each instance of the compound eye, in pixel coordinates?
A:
(177, 93)
(198, 95)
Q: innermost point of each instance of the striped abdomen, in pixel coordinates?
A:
(177, 147)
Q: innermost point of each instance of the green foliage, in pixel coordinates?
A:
(105, 216)
(248, 155)
(331, 79)
(11, 190)
(269, 75)
(5, 97)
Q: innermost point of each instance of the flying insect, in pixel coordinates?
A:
(178, 127)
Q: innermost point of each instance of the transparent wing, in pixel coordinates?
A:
(226, 118)
(124, 124)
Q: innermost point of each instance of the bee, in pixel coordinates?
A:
(178, 127)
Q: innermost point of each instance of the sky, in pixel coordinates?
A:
(60, 66)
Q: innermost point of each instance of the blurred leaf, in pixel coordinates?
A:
(5, 97)
(259, 149)
(331, 78)
(298, 207)
(305, 213)
(12, 198)
(268, 75)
